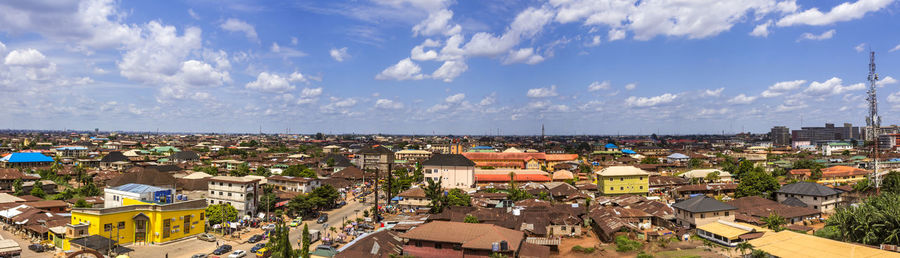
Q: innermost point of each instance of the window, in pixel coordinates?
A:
(815, 207)
(621, 188)
(702, 215)
(211, 192)
(610, 188)
(563, 228)
(621, 179)
(121, 225)
(418, 243)
(610, 179)
(167, 223)
(641, 178)
(437, 246)
(107, 227)
(641, 187)
(229, 184)
(201, 216)
(815, 198)
(726, 213)
(229, 194)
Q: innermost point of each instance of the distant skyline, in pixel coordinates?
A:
(448, 67)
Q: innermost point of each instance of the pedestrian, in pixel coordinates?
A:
(217, 243)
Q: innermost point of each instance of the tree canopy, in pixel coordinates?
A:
(299, 171)
(757, 182)
(218, 213)
(873, 222)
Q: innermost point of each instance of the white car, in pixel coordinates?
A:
(267, 227)
(238, 254)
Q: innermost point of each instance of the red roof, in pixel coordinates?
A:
(518, 156)
(833, 171)
(505, 178)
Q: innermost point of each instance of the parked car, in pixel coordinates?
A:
(199, 256)
(207, 237)
(365, 226)
(322, 219)
(238, 254)
(257, 247)
(296, 222)
(340, 204)
(326, 248)
(255, 238)
(223, 249)
(270, 226)
(37, 248)
(263, 253)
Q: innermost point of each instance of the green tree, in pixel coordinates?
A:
(757, 183)
(81, 203)
(89, 189)
(218, 213)
(456, 197)
(471, 219)
(514, 193)
(650, 160)
(280, 243)
(743, 247)
(695, 163)
(891, 182)
(873, 222)
(38, 189)
(712, 177)
(774, 222)
(815, 174)
(862, 186)
(299, 171)
(262, 171)
(434, 191)
(268, 199)
(304, 250)
(17, 186)
(242, 170)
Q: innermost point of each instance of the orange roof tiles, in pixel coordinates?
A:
(505, 178)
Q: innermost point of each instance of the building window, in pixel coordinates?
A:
(201, 215)
(641, 187)
(641, 178)
(167, 223)
(418, 243)
(229, 194)
(121, 225)
(621, 188)
(726, 213)
(610, 179)
(621, 179)
(610, 188)
(702, 215)
(107, 227)
(437, 246)
(815, 198)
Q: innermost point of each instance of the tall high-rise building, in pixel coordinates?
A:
(817, 135)
(780, 135)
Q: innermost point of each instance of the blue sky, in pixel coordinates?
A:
(448, 67)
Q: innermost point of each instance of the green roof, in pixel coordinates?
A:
(858, 157)
(838, 144)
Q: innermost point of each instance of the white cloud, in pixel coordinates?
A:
(455, 98)
(895, 48)
(339, 54)
(193, 14)
(488, 100)
(523, 55)
(267, 82)
(843, 12)
(404, 70)
(297, 77)
(388, 104)
(310, 92)
(713, 93)
(595, 86)
(860, 48)
(894, 97)
(780, 88)
(593, 105)
(294, 41)
(542, 92)
(630, 86)
(616, 34)
(450, 70)
(595, 41)
(526, 24)
(235, 25)
(198, 73)
(886, 81)
(650, 101)
(160, 54)
(437, 108)
(706, 112)
(825, 35)
(762, 30)
(92, 23)
(832, 86)
(26, 57)
(742, 99)
(437, 23)
(418, 53)
(275, 47)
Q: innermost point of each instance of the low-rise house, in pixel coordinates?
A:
(702, 175)
(412, 155)
(133, 193)
(815, 196)
(701, 210)
(25, 159)
(116, 161)
(752, 209)
(711, 190)
(48, 186)
(71, 151)
(435, 239)
(294, 184)
(381, 244)
(9, 175)
(242, 193)
(833, 175)
(729, 233)
(413, 198)
(785, 244)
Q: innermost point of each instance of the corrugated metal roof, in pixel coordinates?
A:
(21, 157)
(138, 188)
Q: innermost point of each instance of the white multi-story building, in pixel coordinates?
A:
(293, 184)
(453, 170)
(240, 192)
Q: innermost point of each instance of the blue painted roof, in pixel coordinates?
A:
(23, 157)
(627, 151)
(482, 148)
(138, 188)
(611, 146)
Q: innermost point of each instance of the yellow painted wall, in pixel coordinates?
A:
(129, 201)
(155, 224)
(624, 184)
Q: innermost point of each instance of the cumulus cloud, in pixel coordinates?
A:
(843, 12)
(406, 69)
(780, 88)
(615, 34)
(886, 81)
(630, 86)
(437, 23)
(762, 30)
(713, 93)
(523, 55)
(526, 24)
(650, 101)
(860, 48)
(825, 35)
(449, 70)
(339, 54)
(455, 98)
(26, 57)
(832, 86)
(542, 92)
(235, 25)
(595, 86)
(388, 104)
(267, 82)
(742, 99)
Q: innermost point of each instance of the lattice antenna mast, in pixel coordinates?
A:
(873, 121)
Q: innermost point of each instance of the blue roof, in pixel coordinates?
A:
(138, 188)
(482, 147)
(627, 151)
(611, 146)
(23, 157)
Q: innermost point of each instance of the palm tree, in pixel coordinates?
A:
(743, 247)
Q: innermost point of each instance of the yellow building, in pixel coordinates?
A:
(139, 222)
(623, 180)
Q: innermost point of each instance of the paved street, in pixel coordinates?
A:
(24, 244)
